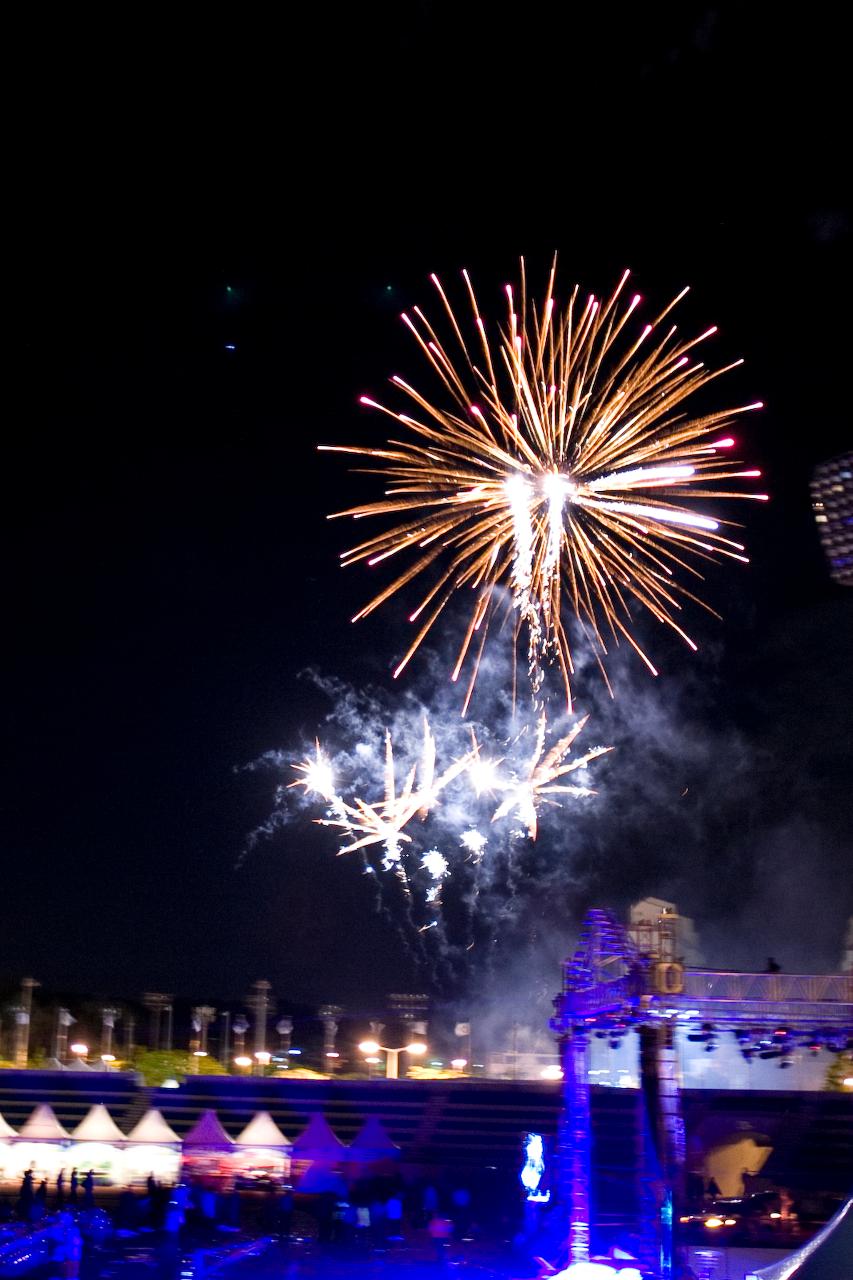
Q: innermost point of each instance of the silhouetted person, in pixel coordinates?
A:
(713, 1189)
(772, 966)
(72, 1187)
(285, 1213)
(41, 1197)
(25, 1200)
(89, 1190)
(151, 1184)
(60, 1189)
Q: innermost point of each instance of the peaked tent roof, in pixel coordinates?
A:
(207, 1132)
(372, 1142)
(6, 1130)
(98, 1126)
(153, 1128)
(42, 1126)
(262, 1131)
(317, 1141)
(825, 1257)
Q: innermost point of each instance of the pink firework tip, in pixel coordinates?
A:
(725, 443)
(370, 403)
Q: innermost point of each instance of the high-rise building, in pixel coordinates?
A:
(832, 503)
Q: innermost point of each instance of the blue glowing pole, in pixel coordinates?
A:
(574, 1142)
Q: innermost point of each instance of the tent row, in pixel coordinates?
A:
(153, 1147)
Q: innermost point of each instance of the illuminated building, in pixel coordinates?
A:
(832, 503)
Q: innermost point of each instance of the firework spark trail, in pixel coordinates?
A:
(384, 822)
(562, 465)
(542, 780)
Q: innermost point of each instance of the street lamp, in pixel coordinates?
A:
(243, 1061)
(80, 1050)
(370, 1048)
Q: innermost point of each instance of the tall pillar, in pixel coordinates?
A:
(60, 1038)
(574, 1142)
(22, 1014)
(108, 1022)
(260, 1003)
(661, 1083)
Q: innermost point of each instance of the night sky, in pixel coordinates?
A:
(168, 569)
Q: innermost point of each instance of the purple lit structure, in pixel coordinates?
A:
(632, 979)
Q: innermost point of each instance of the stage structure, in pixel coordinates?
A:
(632, 979)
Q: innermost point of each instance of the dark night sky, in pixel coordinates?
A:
(168, 570)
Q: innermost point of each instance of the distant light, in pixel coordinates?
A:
(848, 1082)
(294, 1052)
(459, 1064)
(775, 1214)
(332, 1053)
(716, 1222)
(374, 1062)
(731, 1222)
(230, 346)
(552, 1073)
(243, 1061)
(81, 1049)
(417, 1049)
(263, 1057)
(199, 1053)
(170, 1084)
(108, 1057)
(369, 1046)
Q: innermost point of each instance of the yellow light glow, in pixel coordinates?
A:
(108, 1057)
(369, 1046)
(459, 1064)
(551, 1073)
(713, 1222)
(775, 1215)
(417, 1049)
(80, 1049)
(242, 1061)
(731, 1222)
(263, 1057)
(199, 1053)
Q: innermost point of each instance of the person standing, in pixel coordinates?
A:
(25, 1200)
(60, 1189)
(89, 1190)
(72, 1187)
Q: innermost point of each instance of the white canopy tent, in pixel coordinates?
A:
(153, 1149)
(372, 1144)
(318, 1142)
(98, 1144)
(262, 1149)
(40, 1145)
(207, 1149)
(7, 1133)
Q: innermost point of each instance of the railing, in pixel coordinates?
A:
(720, 984)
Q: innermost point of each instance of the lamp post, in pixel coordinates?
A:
(370, 1048)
